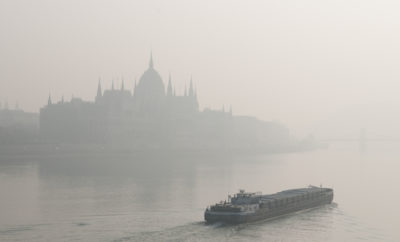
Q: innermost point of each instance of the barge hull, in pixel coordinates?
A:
(264, 213)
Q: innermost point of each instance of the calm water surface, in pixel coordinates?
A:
(162, 198)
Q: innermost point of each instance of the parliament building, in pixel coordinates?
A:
(154, 117)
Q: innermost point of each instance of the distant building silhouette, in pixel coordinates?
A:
(17, 126)
(154, 117)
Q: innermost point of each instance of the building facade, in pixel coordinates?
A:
(153, 116)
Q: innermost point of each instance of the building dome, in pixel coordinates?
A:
(150, 90)
(150, 85)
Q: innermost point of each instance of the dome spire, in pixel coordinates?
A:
(151, 60)
(169, 89)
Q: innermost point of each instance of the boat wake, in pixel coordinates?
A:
(312, 225)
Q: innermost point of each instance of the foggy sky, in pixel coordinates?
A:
(308, 64)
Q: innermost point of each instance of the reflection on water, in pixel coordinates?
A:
(153, 197)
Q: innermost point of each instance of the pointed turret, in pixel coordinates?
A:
(99, 92)
(185, 92)
(134, 90)
(49, 100)
(151, 65)
(122, 84)
(169, 89)
(112, 84)
(191, 87)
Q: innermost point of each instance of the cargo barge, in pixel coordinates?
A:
(247, 207)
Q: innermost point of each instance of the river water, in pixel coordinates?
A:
(163, 197)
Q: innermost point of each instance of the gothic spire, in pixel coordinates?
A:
(99, 92)
(169, 89)
(49, 100)
(122, 84)
(151, 60)
(134, 90)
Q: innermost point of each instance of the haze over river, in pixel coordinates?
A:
(163, 197)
